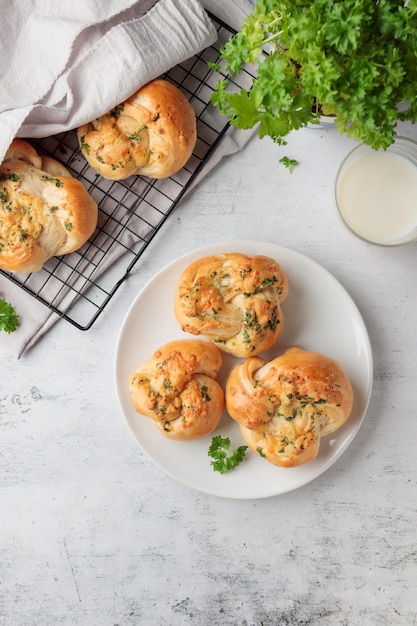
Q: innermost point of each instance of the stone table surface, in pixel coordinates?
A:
(93, 533)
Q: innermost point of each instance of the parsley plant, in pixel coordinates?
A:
(355, 59)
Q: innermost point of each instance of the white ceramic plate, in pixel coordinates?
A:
(319, 315)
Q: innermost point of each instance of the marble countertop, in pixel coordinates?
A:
(93, 532)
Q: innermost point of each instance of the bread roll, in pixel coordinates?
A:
(234, 300)
(285, 406)
(44, 211)
(177, 389)
(152, 133)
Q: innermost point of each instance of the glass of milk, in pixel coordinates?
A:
(376, 193)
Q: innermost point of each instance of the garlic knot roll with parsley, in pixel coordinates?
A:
(284, 407)
(44, 210)
(153, 133)
(234, 300)
(177, 389)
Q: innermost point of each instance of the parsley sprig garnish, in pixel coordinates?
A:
(9, 320)
(288, 163)
(225, 459)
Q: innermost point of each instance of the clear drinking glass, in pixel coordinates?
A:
(376, 193)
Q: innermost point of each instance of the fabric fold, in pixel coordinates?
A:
(95, 59)
(145, 42)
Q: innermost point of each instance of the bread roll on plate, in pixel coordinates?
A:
(177, 389)
(44, 211)
(234, 300)
(153, 133)
(285, 406)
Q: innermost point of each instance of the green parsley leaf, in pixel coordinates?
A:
(84, 146)
(225, 459)
(117, 111)
(136, 136)
(51, 179)
(9, 320)
(288, 163)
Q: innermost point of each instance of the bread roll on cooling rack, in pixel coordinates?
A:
(44, 211)
(285, 406)
(234, 300)
(153, 133)
(177, 389)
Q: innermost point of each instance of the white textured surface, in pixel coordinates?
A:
(91, 532)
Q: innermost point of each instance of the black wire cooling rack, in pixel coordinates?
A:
(78, 286)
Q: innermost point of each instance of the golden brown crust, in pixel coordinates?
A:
(234, 300)
(285, 406)
(44, 211)
(177, 389)
(153, 133)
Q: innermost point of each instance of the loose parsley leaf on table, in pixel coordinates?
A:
(224, 458)
(288, 163)
(9, 320)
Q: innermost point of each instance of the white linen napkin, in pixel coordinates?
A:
(64, 64)
(96, 58)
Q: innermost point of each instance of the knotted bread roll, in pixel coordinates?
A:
(153, 133)
(234, 300)
(44, 211)
(177, 389)
(285, 406)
